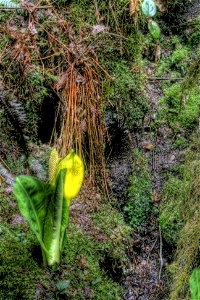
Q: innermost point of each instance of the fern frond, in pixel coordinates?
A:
(9, 4)
(15, 114)
(19, 110)
(9, 179)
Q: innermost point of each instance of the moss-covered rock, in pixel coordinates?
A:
(179, 221)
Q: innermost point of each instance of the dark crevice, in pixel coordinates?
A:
(48, 115)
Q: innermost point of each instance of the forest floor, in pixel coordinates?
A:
(145, 278)
(104, 255)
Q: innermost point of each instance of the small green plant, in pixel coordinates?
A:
(195, 284)
(46, 205)
(149, 10)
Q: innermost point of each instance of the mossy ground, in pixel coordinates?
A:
(92, 262)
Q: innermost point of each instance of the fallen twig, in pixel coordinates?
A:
(160, 253)
(164, 78)
(25, 7)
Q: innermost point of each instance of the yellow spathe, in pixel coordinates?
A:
(74, 175)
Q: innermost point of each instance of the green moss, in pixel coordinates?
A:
(180, 108)
(180, 104)
(181, 142)
(127, 95)
(192, 32)
(19, 272)
(180, 57)
(170, 220)
(139, 194)
(117, 236)
(83, 257)
(178, 61)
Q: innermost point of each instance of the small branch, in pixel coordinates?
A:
(102, 68)
(24, 7)
(164, 78)
(152, 248)
(47, 57)
(160, 253)
(117, 35)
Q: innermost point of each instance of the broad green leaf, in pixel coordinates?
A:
(154, 29)
(149, 8)
(74, 176)
(32, 195)
(56, 221)
(65, 217)
(195, 284)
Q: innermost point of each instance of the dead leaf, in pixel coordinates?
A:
(148, 145)
(156, 197)
(162, 5)
(133, 8)
(157, 53)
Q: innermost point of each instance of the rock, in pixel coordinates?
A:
(172, 158)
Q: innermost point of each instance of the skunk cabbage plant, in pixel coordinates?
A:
(46, 205)
(149, 10)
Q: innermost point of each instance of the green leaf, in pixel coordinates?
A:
(195, 284)
(154, 29)
(149, 8)
(62, 285)
(56, 221)
(32, 195)
(65, 217)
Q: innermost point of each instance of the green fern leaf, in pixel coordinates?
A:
(9, 3)
(14, 112)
